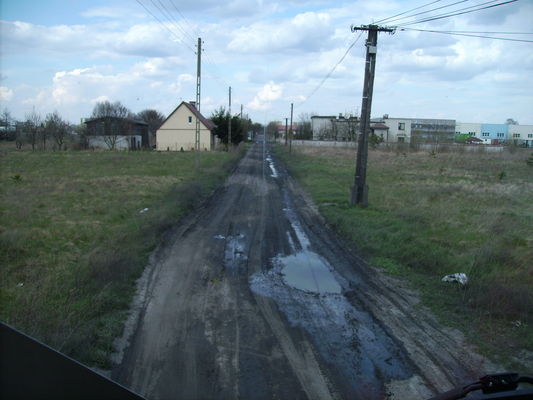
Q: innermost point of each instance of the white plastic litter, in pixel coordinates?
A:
(143, 210)
(458, 277)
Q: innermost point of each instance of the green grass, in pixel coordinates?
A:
(435, 214)
(73, 239)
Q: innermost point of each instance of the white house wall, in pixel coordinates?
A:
(394, 129)
(521, 134)
(182, 139)
(468, 128)
(178, 132)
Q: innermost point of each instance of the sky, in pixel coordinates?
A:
(66, 56)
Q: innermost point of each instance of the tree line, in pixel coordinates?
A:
(53, 132)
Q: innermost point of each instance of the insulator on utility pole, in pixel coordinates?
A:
(359, 192)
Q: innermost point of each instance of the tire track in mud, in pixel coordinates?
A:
(226, 309)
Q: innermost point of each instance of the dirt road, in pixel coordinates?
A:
(254, 297)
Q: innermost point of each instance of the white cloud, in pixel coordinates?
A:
(309, 31)
(271, 53)
(265, 96)
(97, 40)
(109, 12)
(5, 93)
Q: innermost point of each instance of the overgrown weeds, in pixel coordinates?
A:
(438, 215)
(73, 238)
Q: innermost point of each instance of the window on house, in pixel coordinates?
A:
(485, 134)
(401, 140)
(516, 135)
(190, 119)
(530, 135)
(401, 126)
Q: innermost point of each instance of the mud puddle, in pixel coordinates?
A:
(307, 271)
(311, 294)
(273, 170)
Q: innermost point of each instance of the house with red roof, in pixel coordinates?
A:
(178, 131)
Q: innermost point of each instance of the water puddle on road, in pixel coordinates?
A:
(309, 272)
(273, 170)
(310, 293)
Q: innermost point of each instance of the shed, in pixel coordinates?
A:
(117, 133)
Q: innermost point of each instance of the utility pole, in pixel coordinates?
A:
(197, 104)
(359, 192)
(241, 113)
(290, 132)
(286, 131)
(229, 122)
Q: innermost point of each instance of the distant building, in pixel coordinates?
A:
(521, 135)
(117, 133)
(417, 130)
(380, 130)
(335, 128)
(399, 129)
(494, 133)
(178, 131)
(280, 129)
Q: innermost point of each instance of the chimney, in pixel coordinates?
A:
(193, 103)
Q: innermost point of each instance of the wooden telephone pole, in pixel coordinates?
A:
(359, 192)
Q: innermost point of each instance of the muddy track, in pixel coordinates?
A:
(254, 297)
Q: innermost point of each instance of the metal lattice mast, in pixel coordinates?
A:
(197, 104)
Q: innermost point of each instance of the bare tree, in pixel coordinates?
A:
(32, 127)
(19, 135)
(114, 116)
(154, 119)
(511, 121)
(305, 129)
(6, 122)
(56, 128)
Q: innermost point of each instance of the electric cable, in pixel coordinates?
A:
(185, 19)
(164, 26)
(169, 18)
(176, 22)
(408, 11)
(434, 9)
(331, 71)
(453, 13)
(470, 35)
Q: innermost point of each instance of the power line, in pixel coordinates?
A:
(169, 18)
(452, 14)
(175, 22)
(408, 11)
(185, 19)
(476, 6)
(470, 35)
(332, 70)
(480, 32)
(434, 9)
(165, 26)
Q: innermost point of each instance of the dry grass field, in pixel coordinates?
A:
(432, 214)
(76, 229)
